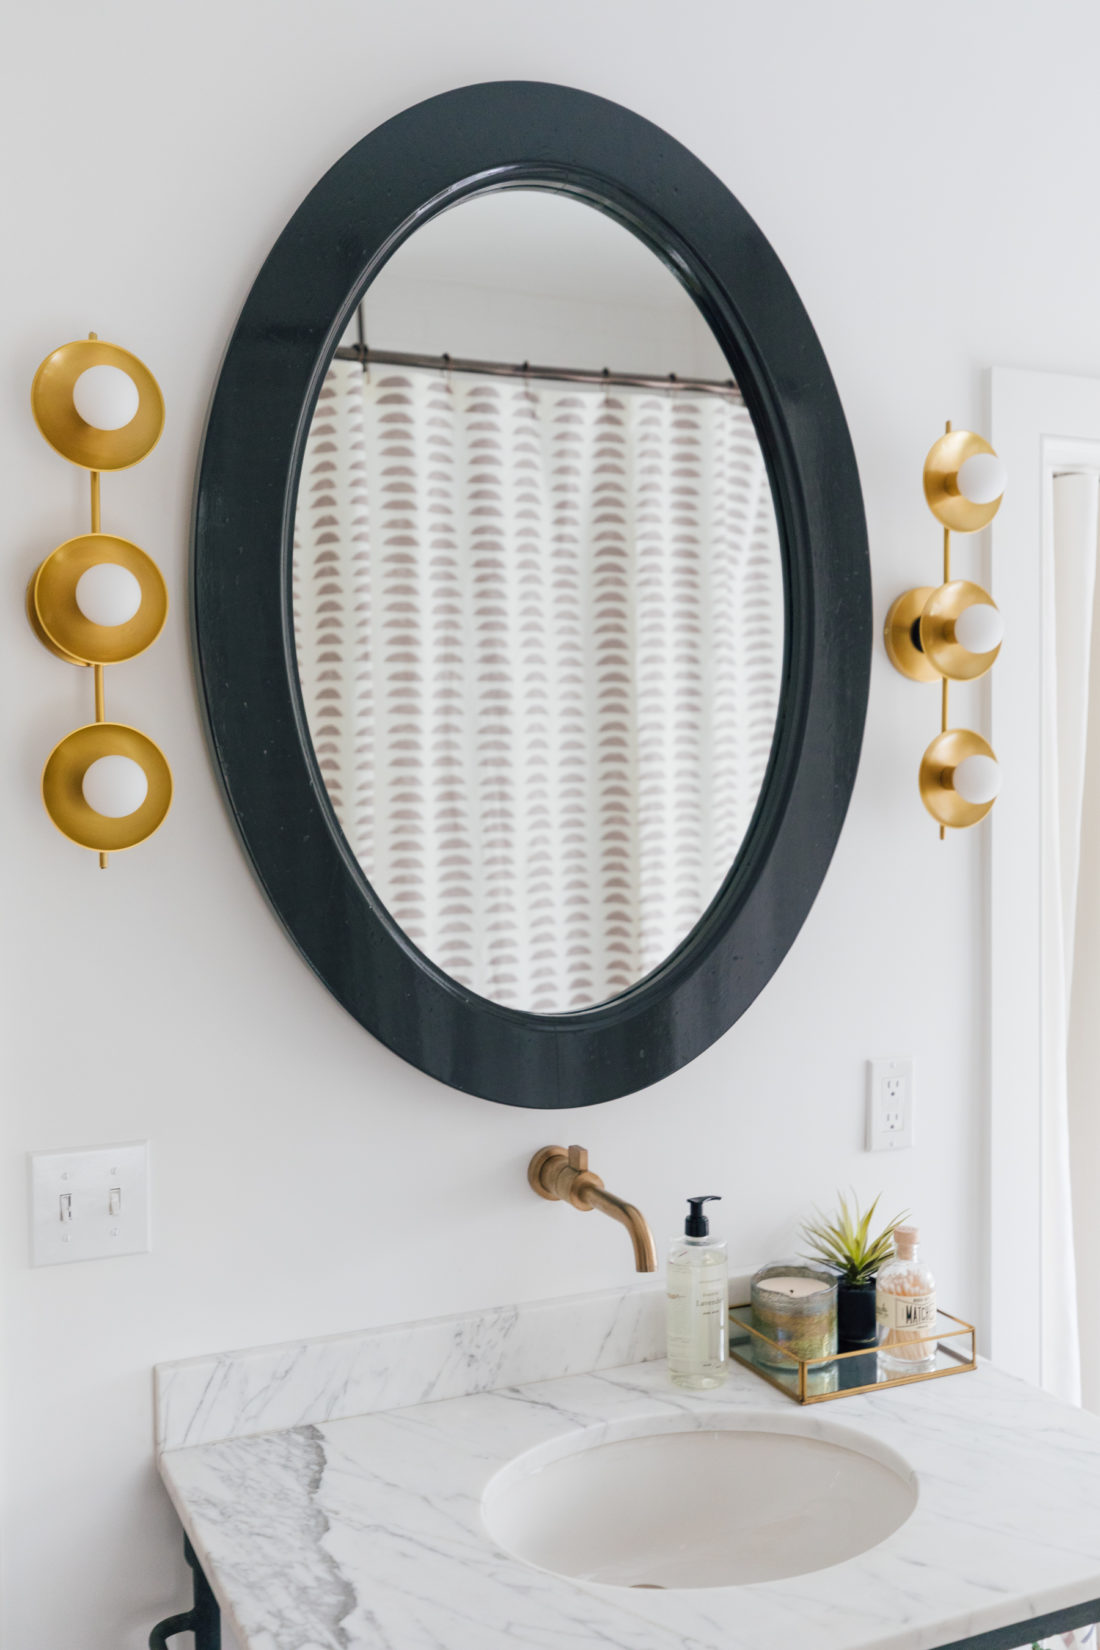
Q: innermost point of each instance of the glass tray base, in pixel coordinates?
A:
(813, 1381)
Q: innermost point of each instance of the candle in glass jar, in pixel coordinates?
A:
(791, 1286)
(794, 1306)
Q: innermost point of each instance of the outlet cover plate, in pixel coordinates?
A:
(890, 1103)
(89, 1204)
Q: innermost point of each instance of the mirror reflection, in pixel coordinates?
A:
(538, 601)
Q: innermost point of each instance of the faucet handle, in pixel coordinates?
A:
(562, 1175)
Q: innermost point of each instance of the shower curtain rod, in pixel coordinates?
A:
(562, 375)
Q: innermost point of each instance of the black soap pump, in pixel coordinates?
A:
(698, 1303)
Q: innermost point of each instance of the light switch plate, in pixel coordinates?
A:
(88, 1204)
(890, 1103)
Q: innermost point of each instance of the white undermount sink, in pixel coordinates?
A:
(708, 1505)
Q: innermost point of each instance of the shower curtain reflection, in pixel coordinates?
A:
(539, 630)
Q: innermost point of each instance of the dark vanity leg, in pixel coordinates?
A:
(203, 1619)
(1028, 1632)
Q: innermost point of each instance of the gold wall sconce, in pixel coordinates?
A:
(952, 632)
(97, 599)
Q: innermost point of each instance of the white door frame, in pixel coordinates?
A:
(1042, 423)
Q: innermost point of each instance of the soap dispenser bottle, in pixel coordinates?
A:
(698, 1303)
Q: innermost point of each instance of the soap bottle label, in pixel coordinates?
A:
(697, 1317)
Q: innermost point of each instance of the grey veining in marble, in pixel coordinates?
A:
(262, 1389)
(366, 1533)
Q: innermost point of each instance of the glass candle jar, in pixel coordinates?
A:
(794, 1305)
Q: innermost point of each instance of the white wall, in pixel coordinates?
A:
(153, 153)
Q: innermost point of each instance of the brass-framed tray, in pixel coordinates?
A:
(817, 1380)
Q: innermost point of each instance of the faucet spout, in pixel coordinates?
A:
(564, 1176)
(645, 1256)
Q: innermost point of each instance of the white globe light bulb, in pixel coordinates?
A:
(107, 594)
(105, 397)
(982, 478)
(115, 786)
(977, 779)
(980, 628)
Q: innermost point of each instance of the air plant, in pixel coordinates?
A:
(845, 1242)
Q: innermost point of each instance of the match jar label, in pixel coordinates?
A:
(913, 1312)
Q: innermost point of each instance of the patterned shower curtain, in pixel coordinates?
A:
(540, 641)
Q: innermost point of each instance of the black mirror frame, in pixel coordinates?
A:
(430, 157)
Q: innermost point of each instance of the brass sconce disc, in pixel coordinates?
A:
(65, 769)
(937, 631)
(945, 458)
(62, 425)
(58, 621)
(902, 622)
(36, 626)
(943, 802)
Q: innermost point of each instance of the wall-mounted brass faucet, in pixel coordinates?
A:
(564, 1176)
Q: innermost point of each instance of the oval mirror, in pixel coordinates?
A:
(538, 601)
(531, 595)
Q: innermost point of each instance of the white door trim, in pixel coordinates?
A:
(1041, 423)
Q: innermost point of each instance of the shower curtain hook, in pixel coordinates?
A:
(445, 358)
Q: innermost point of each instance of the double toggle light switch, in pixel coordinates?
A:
(952, 632)
(97, 599)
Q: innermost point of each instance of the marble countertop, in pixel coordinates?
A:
(364, 1532)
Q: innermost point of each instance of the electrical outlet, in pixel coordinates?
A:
(890, 1103)
(88, 1204)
